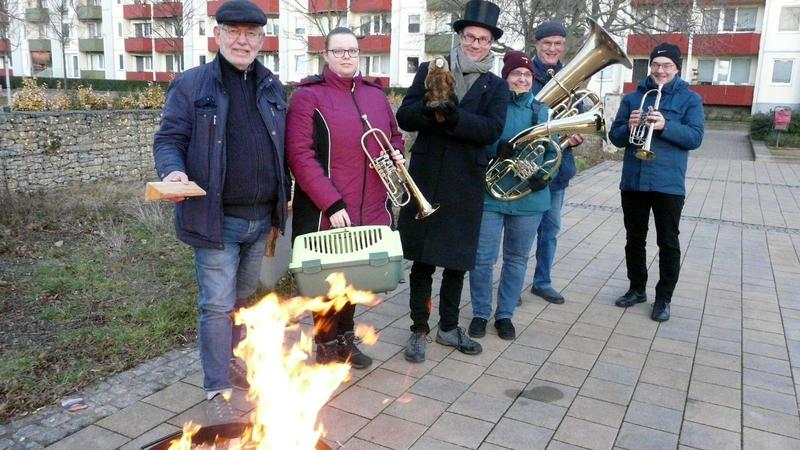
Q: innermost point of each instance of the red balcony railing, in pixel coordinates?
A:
(727, 44)
(642, 44)
(316, 44)
(5, 45)
(160, 10)
(378, 43)
(270, 7)
(138, 45)
(722, 95)
(318, 6)
(169, 45)
(270, 44)
(727, 3)
(3, 72)
(148, 76)
(363, 6)
(136, 11)
(383, 81)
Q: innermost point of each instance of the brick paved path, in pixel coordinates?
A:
(722, 373)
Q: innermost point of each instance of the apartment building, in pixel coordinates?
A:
(744, 55)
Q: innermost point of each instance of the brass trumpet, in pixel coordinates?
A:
(399, 185)
(642, 134)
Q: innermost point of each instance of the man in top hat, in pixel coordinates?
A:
(659, 184)
(551, 42)
(448, 163)
(223, 127)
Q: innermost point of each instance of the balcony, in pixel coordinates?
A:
(658, 2)
(270, 7)
(320, 6)
(438, 43)
(91, 45)
(445, 5)
(642, 44)
(138, 45)
(378, 43)
(316, 44)
(37, 15)
(720, 95)
(5, 45)
(729, 3)
(90, 12)
(93, 74)
(169, 45)
(270, 44)
(148, 76)
(727, 44)
(39, 45)
(160, 10)
(366, 6)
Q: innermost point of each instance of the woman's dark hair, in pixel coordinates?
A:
(338, 30)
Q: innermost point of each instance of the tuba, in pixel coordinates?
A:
(562, 94)
(399, 185)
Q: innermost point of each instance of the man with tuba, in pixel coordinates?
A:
(551, 42)
(448, 163)
(336, 187)
(516, 220)
(659, 183)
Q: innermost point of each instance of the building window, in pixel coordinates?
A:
(93, 30)
(119, 29)
(97, 61)
(790, 19)
(121, 62)
(710, 21)
(412, 64)
(705, 71)
(142, 29)
(174, 63)
(75, 71)
(65, 31)
(413, 23)
(271, 28)
(375, 24)
(299, 63)
(202, 59)
(746, 19)
(143, 63)
(269, 60)
(782, 71)
(300, 26)
(724, 71)
(201, 27)
(375, 64)
(641, 69)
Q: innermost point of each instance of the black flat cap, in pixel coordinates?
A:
(241, 11)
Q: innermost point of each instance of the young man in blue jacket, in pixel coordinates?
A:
(223, 127)
(658, 184)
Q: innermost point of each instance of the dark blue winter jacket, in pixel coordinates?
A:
(191, 139)
(683, 111)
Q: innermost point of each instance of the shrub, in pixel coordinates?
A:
(761, 129)
(31, 97)
(152, 97)
(760, 125)
(87, 99)
(61, 101)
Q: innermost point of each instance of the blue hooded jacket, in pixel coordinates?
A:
(683, 111)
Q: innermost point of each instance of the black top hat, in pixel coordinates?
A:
(480, 13)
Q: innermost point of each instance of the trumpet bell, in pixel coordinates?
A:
(645, 155)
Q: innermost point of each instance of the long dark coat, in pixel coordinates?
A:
(448, 165)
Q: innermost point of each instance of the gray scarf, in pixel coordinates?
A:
(466, 71)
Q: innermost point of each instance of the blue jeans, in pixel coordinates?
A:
(518, 233)
(226, 278)
(546, 240)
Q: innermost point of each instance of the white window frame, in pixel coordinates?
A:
(175, 60)
(145, 27)
(201, 27)
(300, 25)
(408, 61)
(379, 24)
(781, 14)
(368, 63)
(791, 72)
(418, 23)
(121, 59)
(97, 61)
(718, 29)
(73, 65)
(147, 63)
(94, 30)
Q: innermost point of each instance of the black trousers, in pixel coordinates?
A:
(666, 209)
(330, 324)
(421, 281)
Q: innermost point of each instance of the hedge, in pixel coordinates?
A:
(761, 129)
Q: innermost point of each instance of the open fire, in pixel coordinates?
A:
(287, 388)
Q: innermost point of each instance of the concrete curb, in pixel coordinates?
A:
(761, 154)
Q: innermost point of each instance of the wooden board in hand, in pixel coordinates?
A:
(159, 190)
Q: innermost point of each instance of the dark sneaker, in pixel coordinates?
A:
(505, 329)
(238, 375)
(348, 351)
(549, 294)
(631, 298)
(219, 409)
(660, 311)
(328, 352)
(477, 328)
(456, 338)
(416, 346)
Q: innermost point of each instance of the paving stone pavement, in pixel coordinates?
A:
(722, 373)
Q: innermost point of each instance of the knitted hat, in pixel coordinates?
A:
(241, 11)
(550, 28)
(514, 60)
(666, 50)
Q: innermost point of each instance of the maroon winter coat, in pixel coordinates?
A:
(323, 149)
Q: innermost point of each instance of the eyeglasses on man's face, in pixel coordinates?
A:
(252, 34)
(522, 74)
(340, 52)
(470, 39)
(667, 67)
(556, 43)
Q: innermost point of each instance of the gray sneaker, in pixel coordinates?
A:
(458, 339)
(416, 345)
(219, 409)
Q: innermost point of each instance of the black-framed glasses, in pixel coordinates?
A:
(470, 39)
(339, 52)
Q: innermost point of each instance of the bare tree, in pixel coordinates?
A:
(58, 24)
(175, 19)
(322, 18)
(10, 22)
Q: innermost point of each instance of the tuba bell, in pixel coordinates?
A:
(563, 94)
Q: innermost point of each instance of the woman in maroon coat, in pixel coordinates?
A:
(335, 187)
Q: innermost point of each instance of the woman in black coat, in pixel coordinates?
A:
(448, 163)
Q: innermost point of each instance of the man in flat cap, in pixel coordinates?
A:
(551, 42)
(448, 163)
(223, 127)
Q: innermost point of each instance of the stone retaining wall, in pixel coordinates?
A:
(45, 150)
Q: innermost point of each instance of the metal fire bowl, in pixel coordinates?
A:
(207, 435)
